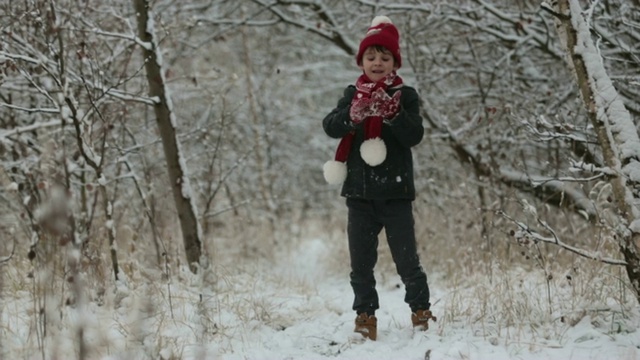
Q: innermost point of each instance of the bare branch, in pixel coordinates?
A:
(334, 36)
(546, 7)
(8, 258)
(526, 234)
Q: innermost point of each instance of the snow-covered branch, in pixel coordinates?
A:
(553, 190)
(5, 133)
(111, 91)
(425, 7)
(124, 96)
(600, 171)
(550, 190)
(527, 32)
(525, 236)
(334, 35)
(31, 110)
(28, 59)
(129, 37)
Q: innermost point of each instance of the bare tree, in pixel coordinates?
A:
(167, 123)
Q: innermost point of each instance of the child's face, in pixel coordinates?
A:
(376, 64)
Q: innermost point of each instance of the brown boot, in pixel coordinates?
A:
(367, 325)
(420, 319)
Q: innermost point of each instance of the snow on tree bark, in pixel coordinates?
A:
(165, 118)
(612, 123)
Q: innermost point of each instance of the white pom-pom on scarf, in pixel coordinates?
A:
(373, 151)
(335, 172)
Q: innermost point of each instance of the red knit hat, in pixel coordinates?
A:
(383, 33)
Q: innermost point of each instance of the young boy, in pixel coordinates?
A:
(378, 121)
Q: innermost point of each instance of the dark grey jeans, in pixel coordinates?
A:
(367, 218)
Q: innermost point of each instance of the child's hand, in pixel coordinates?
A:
(361, 109)
(379, 95)
(387, 106)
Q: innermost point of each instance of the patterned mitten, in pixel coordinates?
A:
(361, 109)
(387, 106)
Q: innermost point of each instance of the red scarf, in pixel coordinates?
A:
(372, 124)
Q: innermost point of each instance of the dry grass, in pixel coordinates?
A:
(484, 284)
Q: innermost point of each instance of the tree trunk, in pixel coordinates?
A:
(167, 125)
(603, 121)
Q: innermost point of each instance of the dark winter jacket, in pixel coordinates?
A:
(393, 179)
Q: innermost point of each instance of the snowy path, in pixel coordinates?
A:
(300, 308)
(318, 324)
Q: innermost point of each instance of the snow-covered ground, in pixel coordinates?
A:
(299, 308)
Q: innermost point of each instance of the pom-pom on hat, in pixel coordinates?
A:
(383, 33)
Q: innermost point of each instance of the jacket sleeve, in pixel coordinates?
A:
(338, 123)
(407, 125)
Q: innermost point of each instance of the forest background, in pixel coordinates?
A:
(162, 140)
